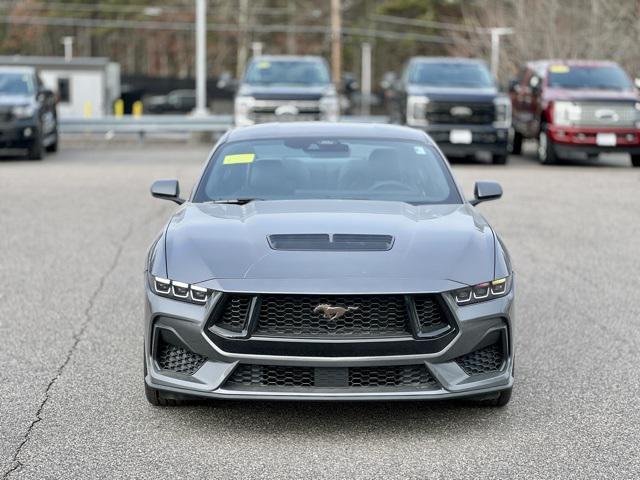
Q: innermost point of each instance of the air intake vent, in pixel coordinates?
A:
(338, 241)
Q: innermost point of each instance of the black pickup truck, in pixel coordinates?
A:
(456, 101)
(28, 119)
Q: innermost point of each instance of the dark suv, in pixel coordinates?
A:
(28, 119)
(456, 101)
(575, 108)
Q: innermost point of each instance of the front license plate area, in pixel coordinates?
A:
(606, 139)
(460, 136)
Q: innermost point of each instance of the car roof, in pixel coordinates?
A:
(326, 129)
(541, 66)
(17, 69)
(446, 60)
(275, 58)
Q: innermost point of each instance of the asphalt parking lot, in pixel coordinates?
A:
(74, 232)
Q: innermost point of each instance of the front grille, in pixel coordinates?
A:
(604, 114)
(441, 113)
(275, 376)
(484, 360)
(178, 359)
(351, 316)
(235, 313)
(430, 314)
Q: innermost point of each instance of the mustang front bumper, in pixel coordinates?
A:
(184, 357)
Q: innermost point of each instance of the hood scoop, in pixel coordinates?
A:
(327, 242)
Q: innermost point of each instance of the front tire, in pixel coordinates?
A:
(499, 159)
(53, 147)
(36, 150)
(516, 142)
(546, 151)
(635, 160)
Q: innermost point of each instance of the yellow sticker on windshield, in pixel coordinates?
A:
(263, 65)
(238, 158)
(559, 69)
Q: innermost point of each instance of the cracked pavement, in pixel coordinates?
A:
(74, 232)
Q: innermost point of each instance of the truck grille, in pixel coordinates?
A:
(607, 114)
(265, 111)
(281, 376)
(330, 316)
(456, 113)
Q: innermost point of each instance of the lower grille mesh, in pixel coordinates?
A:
(177, 359)
(414, 376)
(484, 360)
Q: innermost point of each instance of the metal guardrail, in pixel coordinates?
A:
(169, 123)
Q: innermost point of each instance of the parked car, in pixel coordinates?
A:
(286, 88)
(576, 108)
(326, 261)
(457, 102)
(177, 101)
(28, 118)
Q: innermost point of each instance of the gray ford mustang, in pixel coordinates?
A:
(317, 261)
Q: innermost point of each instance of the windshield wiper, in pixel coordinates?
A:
(235, 201)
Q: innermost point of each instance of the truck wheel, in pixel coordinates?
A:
(546, 152)
(36, 150)
(53, 147)
(499, 159)
(635, 160)
(516, 142)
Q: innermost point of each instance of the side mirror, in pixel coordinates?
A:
(485, 191)
(44, 93)
(513, 85)
(167, 190)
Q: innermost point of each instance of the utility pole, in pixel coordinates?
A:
(496, 33)
(336, 42)
(291, 36)
(201, 58)
(365, 81)
(67, 42)
(243, 18)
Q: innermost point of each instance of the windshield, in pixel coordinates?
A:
(583, 77)
(16, 84)
(448, 74)
(287, 72)
(328, 168)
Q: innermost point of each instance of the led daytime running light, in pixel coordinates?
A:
(180, 290)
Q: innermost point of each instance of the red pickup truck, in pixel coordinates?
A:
(575, 108)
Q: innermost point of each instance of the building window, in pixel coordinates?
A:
(64, 90)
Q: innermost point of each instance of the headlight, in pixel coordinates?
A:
(179, 290)
(566, 113)
(242, 109)
(330, 108)
(23, 111)
(503, 112)
(482, 292)
(417, 111)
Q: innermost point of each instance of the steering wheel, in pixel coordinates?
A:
(390, 184)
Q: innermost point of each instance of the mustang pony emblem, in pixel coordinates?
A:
(332, 313)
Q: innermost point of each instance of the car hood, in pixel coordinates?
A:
(454, 94)
(614, 95)
(436, 247)
(285, 92)
(13, 100)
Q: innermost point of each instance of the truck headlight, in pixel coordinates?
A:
(502, 107)
(417, 111)
(23, 111)
(330, 108)
(242, 110)
(566, 113)
(179, 290)
(483, 291)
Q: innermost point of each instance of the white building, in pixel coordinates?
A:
(84, 86)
